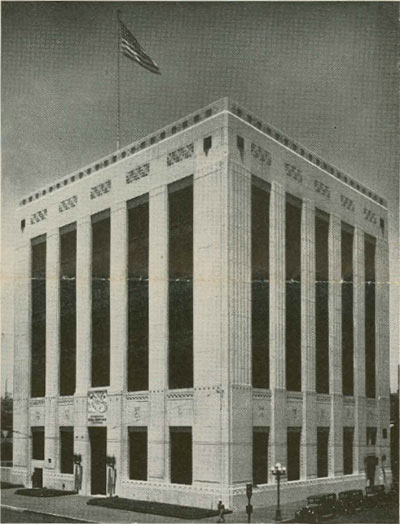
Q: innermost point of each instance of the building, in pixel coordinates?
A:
(193, 309)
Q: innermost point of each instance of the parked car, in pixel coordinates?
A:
(351, 500)
(375, 495)
(318, 507)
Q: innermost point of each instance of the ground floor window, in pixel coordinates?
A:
(293, 453)
(137, 453)
(181, 455)
(260, 455)
(322, 451)
(67, 449)
(348, 450)
(37, 443)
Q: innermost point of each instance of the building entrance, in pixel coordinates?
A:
(98, 451)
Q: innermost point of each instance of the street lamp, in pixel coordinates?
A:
(278, 470)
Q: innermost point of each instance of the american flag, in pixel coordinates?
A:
(131, 48)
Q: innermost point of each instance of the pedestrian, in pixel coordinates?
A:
(221, 511)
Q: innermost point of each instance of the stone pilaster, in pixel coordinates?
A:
(158, 436)
(52, 348)
(83, 346)
(335, 348)
(277, 325)
(359, 350)
(382, 358)
(118, 332)
(208, 342)
(22, 356)
(309, 428)
(239, 321)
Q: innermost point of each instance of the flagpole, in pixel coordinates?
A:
(118, 81)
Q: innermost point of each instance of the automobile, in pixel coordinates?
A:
(318, 507)
(351, 500)
(375, 495)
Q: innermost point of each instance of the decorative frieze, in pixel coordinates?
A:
(138, 397)
(38, 216)
(180, 395)
(261, 154)
(138, 173)
(67, 204)
(322, 189)
(370, 215)
(347, 203)
(294, 172)
(180, 154)
(100, 189)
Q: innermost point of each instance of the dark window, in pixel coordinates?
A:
(370, 329)
(371, 436)
(321, 302)
(101, 300)
(38, 317)
(347, 310)
(22, 224)
(181, 455)
(384, 433)
(207, 144)
(260, 283)
(260, 455)
(138, 294)
(137, 453)
(67, 368)
(348, 450)
(293, 294)
(66, 449)
(240, 145)
(38, 443)
(322, 451)
(180, 292)
(293, 453)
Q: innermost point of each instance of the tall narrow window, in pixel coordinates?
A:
(137, 453)
(66, 449)
(321, 301)
(348, 434)
(322, 451)
(67, 309)
(181, 455)
(370, 329)
(180, 292)
(38, 318)
(293, 453)
(101, 299)
(347, 310)
(37, 442)
(138, 294)
(260, 455)
(293, 293)
(260, 283)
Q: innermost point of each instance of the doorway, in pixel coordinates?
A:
(98, 453)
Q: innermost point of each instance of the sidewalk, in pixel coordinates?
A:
(74, 506)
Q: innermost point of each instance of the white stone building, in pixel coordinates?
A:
(200, 305)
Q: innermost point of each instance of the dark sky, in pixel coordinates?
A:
(325, 73)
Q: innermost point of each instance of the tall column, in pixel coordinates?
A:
(239, 321)
(383, 359)
(309, 429)
(359, 349)
(22, 360)
(83, 346)
(52, 348)
(158, 436)
(118, 333)
(277, 325)
(208, 341)
(335, 348)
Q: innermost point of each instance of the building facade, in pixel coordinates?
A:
(196, 307)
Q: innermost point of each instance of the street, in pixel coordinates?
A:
(11, 515)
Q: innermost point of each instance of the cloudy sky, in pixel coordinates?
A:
(325, 73)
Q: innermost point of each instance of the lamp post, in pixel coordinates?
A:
(278, 470)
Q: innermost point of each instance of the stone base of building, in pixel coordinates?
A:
(207, 496)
